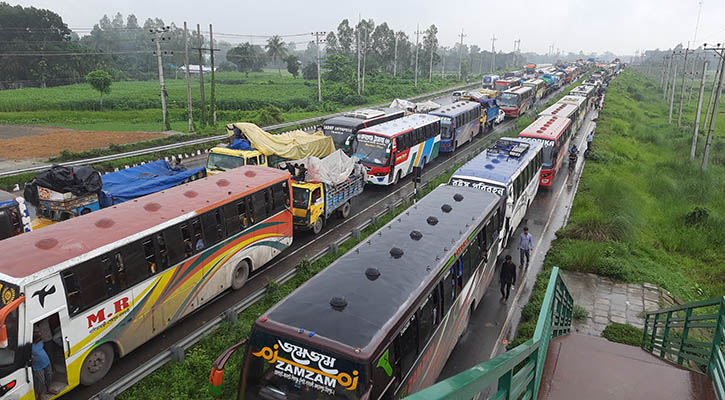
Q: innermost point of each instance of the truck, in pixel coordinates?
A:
(14, 215)
(492, 114)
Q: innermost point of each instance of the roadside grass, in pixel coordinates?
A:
(643, 212)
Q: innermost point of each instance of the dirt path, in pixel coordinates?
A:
(23, 142)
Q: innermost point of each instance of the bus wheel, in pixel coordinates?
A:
(241, 273)
(97, 364)
(345, 210)
(397, 178)
(317, 227)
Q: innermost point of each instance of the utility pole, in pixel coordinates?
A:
(664, 68)
(460, 55)
(417, 37)
(158, 38)
(493, 53)
(697, 116)
(670, 60)
(188, 78)
(201, 75)
(319, 79)
(357, 45)
(213, 99)
(720, 51)
(682, 91)
(672, 97)
(517, 49)
(395, 58)
(430, 67)
(712, 95)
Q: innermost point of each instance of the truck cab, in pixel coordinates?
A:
(221, 159)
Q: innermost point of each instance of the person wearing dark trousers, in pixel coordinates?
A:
(507, 278)
(526, 244)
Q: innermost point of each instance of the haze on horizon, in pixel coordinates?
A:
(619, 26)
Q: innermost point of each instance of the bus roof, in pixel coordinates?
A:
(380, 277)
(511, 79)
(536, 81)
(500, 161)
(457, 108)
(519, 89)
(583, 88)
(35, 251)
(560, 110)
(350, 122)
(404, 124)
(571, 99)
(547, 127)
(368, 114)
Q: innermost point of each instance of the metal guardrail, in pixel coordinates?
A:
(209, 139)
(691, 335)
(517, 372)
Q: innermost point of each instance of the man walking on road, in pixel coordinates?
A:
(507, 278)
(526, 244)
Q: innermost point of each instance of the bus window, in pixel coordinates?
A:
(149, 255)
(261, 159)
(406, 347)
(250, 210)
(109, 277)
(268, 201)
(280, 195)
(242, 211)
(163, 251)
(259, 206)
(252, 161)
(175, 244)
(84, 285)
(122, 279)
(427, 319)
(212, 227)
(197, 238)
(231, 219)
(186, 237)
(448, 293)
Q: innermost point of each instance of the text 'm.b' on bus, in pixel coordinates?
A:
(555, 134)
(516, 101)
(343, 129)
(381, 321)
(460, 122)
(390, 150)
(509, 168)
(98, 286)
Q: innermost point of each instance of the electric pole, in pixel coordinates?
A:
(319, 79)
(158, 38)
(201, 75)
(493, 53)
(188, 77)
(357, 45)
(712, 95)
(460, 55)
(682, 91)
(395, 58)
(697, 116)
(672, 97)
(213, 99)
(417, 37)
(720, 51)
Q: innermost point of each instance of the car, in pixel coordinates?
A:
(501, 117)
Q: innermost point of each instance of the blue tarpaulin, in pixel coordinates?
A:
(240, 144)
(141, 180)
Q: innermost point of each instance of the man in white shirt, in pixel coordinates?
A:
(526, 244)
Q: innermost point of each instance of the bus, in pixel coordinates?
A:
(489, 81)
(516, 101)
(581, 105)
(380, 321)
(342, 129)
(98, 286)
(565, 110)
(507, 83)
(460, 122)
(555, 134)
(14, 215)
(589, 92)
(510, 168)
(539, 87)
(390, 150)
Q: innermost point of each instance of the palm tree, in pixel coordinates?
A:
(276, 49)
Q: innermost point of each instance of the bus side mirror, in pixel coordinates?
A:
(4, 312)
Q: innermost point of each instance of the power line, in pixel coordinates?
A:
(48, 54)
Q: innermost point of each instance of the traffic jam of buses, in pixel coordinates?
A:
(127, 254)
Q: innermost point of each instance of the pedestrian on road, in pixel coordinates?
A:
(526, 244)
(590, 139)
(507, 278)
(42, 370)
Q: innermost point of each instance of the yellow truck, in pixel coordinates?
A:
(314, 202)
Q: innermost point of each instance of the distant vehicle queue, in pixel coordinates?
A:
(99, 285)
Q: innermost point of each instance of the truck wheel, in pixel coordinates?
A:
(345, 210)
(317, 227)
(240, 275)
(97, 364)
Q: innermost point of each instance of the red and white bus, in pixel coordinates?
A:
(98, 286)
(555, 134)
(565, 110)
(581, 104)
(390, 150)
(507, 83)
(516, 101)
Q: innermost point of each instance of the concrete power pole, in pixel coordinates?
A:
(697, 116)
(158, 38)
(417, 37)
(319, 79)
(666, 85)
(201, 75)
(493, 53)
(682, 91)
(395, 58)
(712, 95)
(357, 45)
(213, 85)
(692, 79)
(460, 55)
(188, 78)
(720, 50)
(672, 97)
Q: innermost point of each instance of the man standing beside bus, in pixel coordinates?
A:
(42, 370)
(526, 244)
(507, 278)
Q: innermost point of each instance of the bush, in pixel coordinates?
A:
(611, 269)
(623, 333)
(580, 312)
(697, 216)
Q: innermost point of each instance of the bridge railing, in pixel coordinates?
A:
(517, 372)
(691, 335)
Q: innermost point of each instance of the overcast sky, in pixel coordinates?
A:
(620, 26)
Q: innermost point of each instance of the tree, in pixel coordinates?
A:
(430, 43)
(293, 65)
(101, 81)
(309, 72)
(345, 37)
(247, 57)
(338, 68)
(383, 46)
(277, 50)
(331, 46)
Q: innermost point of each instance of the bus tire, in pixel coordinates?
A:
(397, 178)
(317, 227)
(345, 210)
(97, 364)
(240, 275)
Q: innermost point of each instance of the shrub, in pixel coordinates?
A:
(623, 333)
(611, 268)
(697, 216)
(580, 312)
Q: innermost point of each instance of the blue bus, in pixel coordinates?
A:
(460, 122)
(510, 168)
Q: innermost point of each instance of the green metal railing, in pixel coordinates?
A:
(690, 335)
(518, 371)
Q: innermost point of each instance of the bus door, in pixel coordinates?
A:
(47, 314)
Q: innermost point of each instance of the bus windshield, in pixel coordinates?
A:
(277, 368)
(338, 133)
(371, 149)
(300, 197)
(446, 128)
(7, 355)
(223, 162)
(507, 100)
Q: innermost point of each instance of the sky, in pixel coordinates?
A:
(619, 26)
